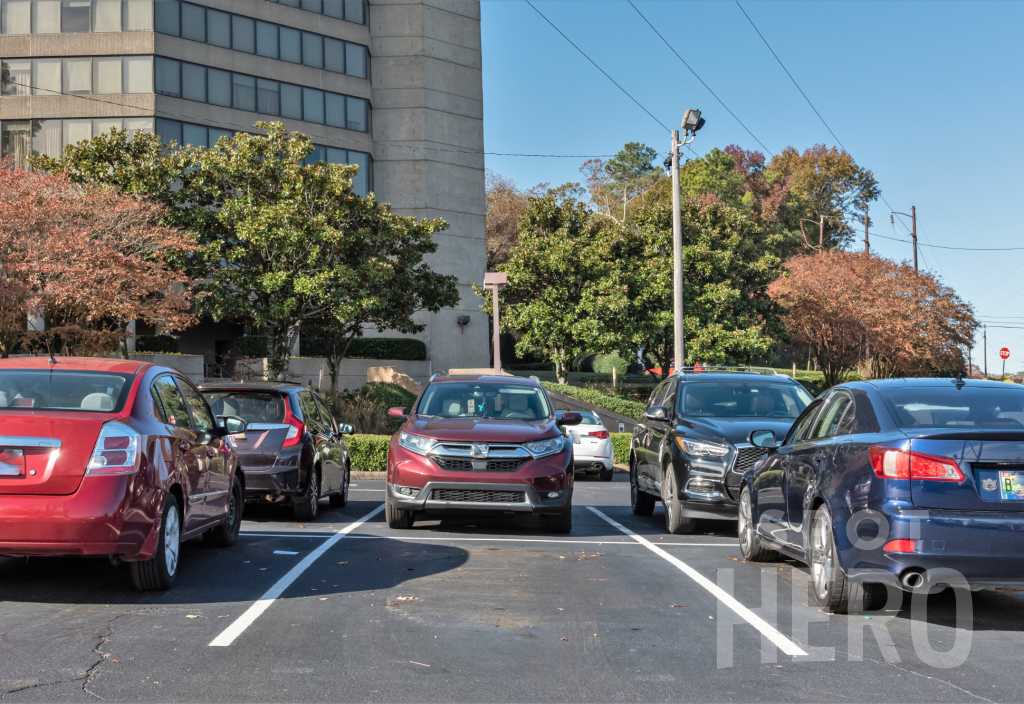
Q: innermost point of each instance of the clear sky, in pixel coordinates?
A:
(926, 94)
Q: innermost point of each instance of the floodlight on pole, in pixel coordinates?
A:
(691, 124)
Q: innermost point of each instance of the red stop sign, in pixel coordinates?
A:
(1004, 352)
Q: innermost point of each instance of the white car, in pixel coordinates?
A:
(592, 446)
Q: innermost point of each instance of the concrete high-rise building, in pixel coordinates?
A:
(391, 85)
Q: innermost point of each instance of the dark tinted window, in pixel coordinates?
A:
(175, 410)
(253, 406)
(63, 391)
(838, 418)
(802, 427)
(202, 420)
(742, 399)
(949, 407)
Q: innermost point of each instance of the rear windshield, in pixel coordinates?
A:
(949, 407)
(251, 406)
(589, 417)
(57, 390)
(742, 399)
(483, 400)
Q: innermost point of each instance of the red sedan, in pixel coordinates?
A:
(116, 458)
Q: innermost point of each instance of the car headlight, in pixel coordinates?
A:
(700, 448)
(415, 443)
(543, 448)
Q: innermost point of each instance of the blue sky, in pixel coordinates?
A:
(926, 94)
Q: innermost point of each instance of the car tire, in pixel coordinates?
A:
(158, 572)
(339, 499)
(676, 522)
(606, 474)
(752, 548)
(559, 523)
(396, 517)
(830, 587)
(226, 534)
(641, 502)
(307, 506)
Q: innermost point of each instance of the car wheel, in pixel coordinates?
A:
(397, 517)
(832, 590)
(339, 499)
(226, 534)
(158, 572)
(607, 474)
(560, 523)
(307, 506)
(751, 547)
(642, 502)
(675, 521)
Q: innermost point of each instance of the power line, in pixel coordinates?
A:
(598, 67)
(951, 247)
(698, 77)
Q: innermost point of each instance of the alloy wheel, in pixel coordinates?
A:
(668, 492)
(314, 493)
(172, 539)
(745, 527)
(822, 558)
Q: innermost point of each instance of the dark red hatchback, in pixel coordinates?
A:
(115, 458)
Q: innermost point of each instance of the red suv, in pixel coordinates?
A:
(484, 444)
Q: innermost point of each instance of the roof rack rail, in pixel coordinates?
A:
(711, 368)
(435, 375)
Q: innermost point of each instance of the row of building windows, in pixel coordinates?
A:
(190, 134)
(59, 16)
(244, 92)
(19, 138)
(209, 26)
(351, 10)
(99, 75)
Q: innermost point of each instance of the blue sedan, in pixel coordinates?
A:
(916, 484)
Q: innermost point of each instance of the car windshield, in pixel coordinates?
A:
(58, 390)
(483, 400)
(742, 399)
(950, 407)
(251, 406)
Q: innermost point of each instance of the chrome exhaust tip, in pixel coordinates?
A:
(913, 579)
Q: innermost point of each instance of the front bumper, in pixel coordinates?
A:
(480, 497)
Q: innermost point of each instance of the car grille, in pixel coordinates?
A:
(746, 457)
(483, 496)
(458, 464)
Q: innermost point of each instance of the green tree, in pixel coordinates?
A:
(282, 243)
(550, 269)
(614, 183)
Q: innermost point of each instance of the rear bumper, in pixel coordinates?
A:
(437, 497)
(268, 484)
(584, 463)
(106, 516)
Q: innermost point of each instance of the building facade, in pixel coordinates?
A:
(393, 86)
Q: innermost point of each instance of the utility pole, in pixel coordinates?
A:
(984, 348)
(867, 239)
(679, 345)
(821, 232)
(913, 231)
(495, 281)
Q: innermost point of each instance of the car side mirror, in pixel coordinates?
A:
(232, 425)
(398, 412)
(765, 439)
(345, 429)
(656, 413)
(568, 418)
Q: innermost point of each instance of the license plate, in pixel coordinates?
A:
(1011, 486)
(12, 462)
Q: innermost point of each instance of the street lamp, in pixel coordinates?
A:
(691, 124)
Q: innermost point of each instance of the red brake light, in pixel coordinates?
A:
(602, 434)
(116, 452)
(892, 463)
(900, 545)
(295, 432)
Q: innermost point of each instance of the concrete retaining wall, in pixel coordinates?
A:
(314, 372)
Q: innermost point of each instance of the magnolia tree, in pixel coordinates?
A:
(853, 309)
(89, 260)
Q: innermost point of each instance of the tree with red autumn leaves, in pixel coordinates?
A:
(89, 260)
(854, 309)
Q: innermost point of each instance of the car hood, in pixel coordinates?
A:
(481, 429)
(735, 430)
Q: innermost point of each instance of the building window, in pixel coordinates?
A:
(101, 75)
(107, 75)
(356, 60)
(243, 34)
(291, 101)
(168, 130)
(312, 50)
(138, 74)
(349, 10)
(244, 96)
(16, 141)
(46, 18)
(21, 137)
(167, 17)
(17, 17)
(268, 97)
(335, 116)
(193, 82)
(357, 114)
(107, 16)
(219, 85)
(138, 15)
(47, 139)
(75, 16)
(194, 135)
(17, 77)
(218, 28)
(72, 16)
(77, 76)
(193, 22)
(313, 105)
(266, 40)
(46, 79)
(334, 55)
(291, 45)
(76, 131)
(168, 77)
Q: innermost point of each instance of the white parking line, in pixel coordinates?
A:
(457, 539)
(229, 634)
(767, 630)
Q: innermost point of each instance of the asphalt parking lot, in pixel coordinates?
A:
(346, 610)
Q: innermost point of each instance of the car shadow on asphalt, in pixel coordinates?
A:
(241, 573)
(990, 610)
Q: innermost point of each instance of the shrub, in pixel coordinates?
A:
(388, 348)
(369, 453)
(366, 410)
(388, 395)
(162, 344)
(604, 363)
(620, 447)
(250, 346)
(615, 404)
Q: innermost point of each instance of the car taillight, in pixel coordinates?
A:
(295, 430)
(900, 545)
(116, 451)
(602, 434)
(890, 463)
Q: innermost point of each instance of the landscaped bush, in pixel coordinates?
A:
(389, 395)
(620, 447)
(604, 363)
(369, 453)
(250, 346)
(388, 348)
(366, 410)
(162, 344)
(615, 404)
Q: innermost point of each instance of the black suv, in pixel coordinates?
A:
(692, 448)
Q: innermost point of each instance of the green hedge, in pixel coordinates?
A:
(156, 343)
(615, 404)
(369, 453)
(388, 348)
(620, 447)
(388, 395)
